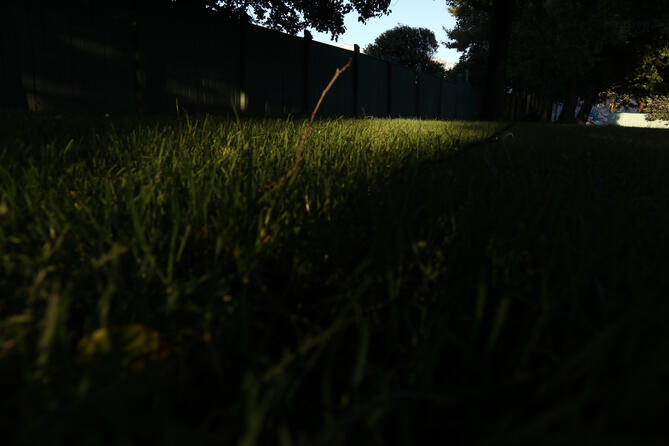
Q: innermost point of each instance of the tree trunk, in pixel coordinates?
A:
(588, 102)
(492, 104)
(546, 108)
(568, 114)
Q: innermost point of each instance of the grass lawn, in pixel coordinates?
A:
(403, 287)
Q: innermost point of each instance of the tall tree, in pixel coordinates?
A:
(563, 50)
(470, 37)
(411, 47)
(498, 50)
(483, 34)
(294, 16)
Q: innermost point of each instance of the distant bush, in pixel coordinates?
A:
(657, 108)
(618, 101)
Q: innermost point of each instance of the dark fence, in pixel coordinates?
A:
(527, 105)
(128, 56)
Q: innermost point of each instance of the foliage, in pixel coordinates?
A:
(617, 101)
(407, 46)
(564, 49)
(657, 108)
(293, 16)
(290, 16)
(470, 36)
(652, 76)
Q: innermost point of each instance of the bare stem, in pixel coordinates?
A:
(299, 158)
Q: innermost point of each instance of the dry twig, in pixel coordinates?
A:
(299, 158)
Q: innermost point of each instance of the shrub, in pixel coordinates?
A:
(657, 108)
(617, 101)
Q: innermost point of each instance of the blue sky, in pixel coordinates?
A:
(430, 14)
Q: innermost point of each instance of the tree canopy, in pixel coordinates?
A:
(411, 47)
(294, 16)
(569, 48)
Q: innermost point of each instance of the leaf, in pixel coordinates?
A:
(97, 343)
(133, 342)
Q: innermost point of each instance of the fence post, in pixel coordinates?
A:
(140, 78)
(12, 92)
(441, 98)
(458, 95)
(306, 54)
(242, 67)
(417, 84)
(389, 92)
(356, 73)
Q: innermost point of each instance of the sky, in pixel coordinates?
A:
(430, 14)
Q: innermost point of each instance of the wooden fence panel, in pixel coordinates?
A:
(160, 57)
(221, 71)
(324, 60)
(372, 86)
(12, 93)
(449, 104)
(120, 64)
(274, 74)
(403, 88)
(22, 18)
(429, 100)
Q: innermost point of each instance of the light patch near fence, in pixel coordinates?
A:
(243, 101)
